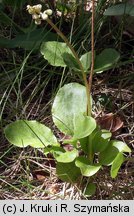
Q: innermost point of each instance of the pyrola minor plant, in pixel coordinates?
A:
(91, 147)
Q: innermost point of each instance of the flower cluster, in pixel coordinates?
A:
(36, 13)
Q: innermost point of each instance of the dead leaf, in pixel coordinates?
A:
(40, 175)
(110, 122)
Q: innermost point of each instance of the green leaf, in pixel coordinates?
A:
(116, 165)
(83, 126)
(120, 9)
(108, 155)
(101, 140)
(86, 60)
(70, 141)
(28, 41)
(90, 189)
(68, 172)
(23, 133)
(53, 52)
(85, 167)
(63, 7)
(106, 59)
(67, 157)
(70, 102)
(84, 144)
(55, 150)
(70, 61)
(121, 146)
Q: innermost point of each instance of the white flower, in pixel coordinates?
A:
(28, 6)
(49, 12)
(34, 9)
(30, 9)
(44, 16)
(35, 16)
(37, 8)
(36, 13)
(37, 21)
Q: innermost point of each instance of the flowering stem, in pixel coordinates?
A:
(78, 61)
(90, 144)
(92, 49)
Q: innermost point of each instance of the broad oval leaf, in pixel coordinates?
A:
(85, 167)
(70, 61)
(108, 155)
(68, 172)
(23, 133)
(70, 101)
(55, 150)
(86, 60)
(120, 9)
(84, 144)
(106, 59)
(53, 52)
(83, 126)
(121, 146)
(101, 140)
(116, 165)
(67, 157)
(90, 189)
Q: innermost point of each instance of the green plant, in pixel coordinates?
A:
(91, 147)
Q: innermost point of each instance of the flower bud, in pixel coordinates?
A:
(49, 12)
(37, 21)
(34, 9)
(35, 16)
(28, 6)
(30, 9)
(37, 8)
(44, 16)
